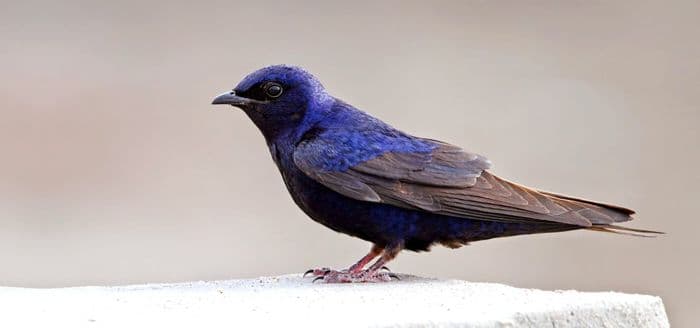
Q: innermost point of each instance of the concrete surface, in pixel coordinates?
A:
(292, 301)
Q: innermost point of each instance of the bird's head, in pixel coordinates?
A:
(281, 100)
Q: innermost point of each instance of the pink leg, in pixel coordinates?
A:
(373, 253)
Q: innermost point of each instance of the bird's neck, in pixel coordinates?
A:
(282, 147)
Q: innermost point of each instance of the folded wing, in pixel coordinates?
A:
(451, 181)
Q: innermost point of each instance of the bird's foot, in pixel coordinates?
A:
(320, 272)
(334, 276)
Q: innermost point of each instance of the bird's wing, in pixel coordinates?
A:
(449, 181)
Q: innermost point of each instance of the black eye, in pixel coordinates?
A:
(273, 90)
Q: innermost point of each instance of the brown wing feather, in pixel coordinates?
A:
(453, 182)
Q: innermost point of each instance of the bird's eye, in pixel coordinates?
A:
(273, 90)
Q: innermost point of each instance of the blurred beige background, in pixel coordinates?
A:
(116, 170)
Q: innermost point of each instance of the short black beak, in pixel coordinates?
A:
(230, 98)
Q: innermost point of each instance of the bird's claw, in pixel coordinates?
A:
(320, 272)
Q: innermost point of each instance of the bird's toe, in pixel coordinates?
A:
(318, 272)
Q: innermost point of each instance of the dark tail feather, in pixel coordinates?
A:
(626, 231)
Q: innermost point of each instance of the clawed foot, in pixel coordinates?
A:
(320, 272)
(335, 276)
(377, 272)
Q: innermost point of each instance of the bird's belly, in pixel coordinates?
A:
(369, 221)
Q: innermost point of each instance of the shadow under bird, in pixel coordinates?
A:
(357, 175)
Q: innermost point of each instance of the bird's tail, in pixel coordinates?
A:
(603, 216)
(626, 231)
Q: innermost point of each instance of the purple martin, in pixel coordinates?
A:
(357, 175)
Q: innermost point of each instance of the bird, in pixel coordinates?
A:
(357, 175)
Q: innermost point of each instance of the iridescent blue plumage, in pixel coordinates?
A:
(357, 175)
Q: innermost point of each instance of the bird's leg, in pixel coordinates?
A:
(389, 254)
(355, 268)
(373, 253)
(373, 274)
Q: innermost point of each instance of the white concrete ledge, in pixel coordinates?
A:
(290, 301)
